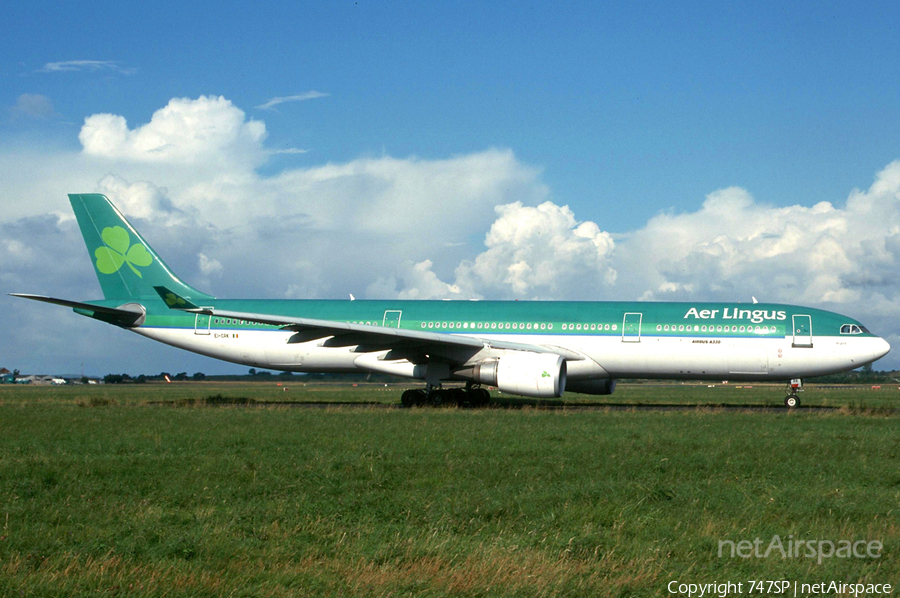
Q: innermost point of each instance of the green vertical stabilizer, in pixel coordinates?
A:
(126, 266)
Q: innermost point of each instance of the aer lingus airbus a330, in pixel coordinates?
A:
(530, 348)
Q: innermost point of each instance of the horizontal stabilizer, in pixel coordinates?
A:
(129, 315)
(173, 299)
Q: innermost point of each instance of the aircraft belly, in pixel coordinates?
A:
(258, 348)
(736, 359)
(655, 357)
(750, 356)
(245, 347)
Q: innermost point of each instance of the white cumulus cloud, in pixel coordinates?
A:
(532, 252)
(540, 251)
(209, 266)
(405, 195)
(418, 282)
(142, 199)
(206, 151)
(185, 131)
(735, 247)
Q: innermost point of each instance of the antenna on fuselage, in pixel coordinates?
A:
(754, 299)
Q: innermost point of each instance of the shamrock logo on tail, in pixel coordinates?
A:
(172, 299)
(119, 250)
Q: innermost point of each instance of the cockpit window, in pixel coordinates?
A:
(852, 329)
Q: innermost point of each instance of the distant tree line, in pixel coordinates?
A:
(143, 378)
(253, 375)
(864, 375)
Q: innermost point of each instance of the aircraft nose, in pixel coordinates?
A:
(869, 349)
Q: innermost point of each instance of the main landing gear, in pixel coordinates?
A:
(435, 396)
(793, 399)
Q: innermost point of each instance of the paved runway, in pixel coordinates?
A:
(239, 402)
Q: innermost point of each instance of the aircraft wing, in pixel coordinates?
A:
(378, 338)
(403, 343)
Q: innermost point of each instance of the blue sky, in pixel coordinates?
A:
(656, 104)
(630, 116)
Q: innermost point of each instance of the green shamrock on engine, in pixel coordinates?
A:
(119, 250)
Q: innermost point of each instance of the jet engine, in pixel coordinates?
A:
(539, 375)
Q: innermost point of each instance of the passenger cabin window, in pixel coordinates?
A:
(851, 329)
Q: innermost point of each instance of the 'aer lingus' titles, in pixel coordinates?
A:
(757, 316)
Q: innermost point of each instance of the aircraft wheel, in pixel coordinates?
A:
(408, 398)
(437, 398)
(791, 401)
(458, 396)
(481, 397)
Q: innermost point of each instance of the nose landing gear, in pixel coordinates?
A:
(793, 400)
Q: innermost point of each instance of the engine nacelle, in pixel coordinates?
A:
(601, 386)
(539, 375)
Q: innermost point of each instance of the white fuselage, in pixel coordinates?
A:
(605, 356)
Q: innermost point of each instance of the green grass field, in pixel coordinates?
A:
(114, 491)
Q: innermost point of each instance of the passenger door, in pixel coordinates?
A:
(201, 324)
(631, 328)
(802, 331)
(392, 318)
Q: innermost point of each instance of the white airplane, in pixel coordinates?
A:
(531, 348)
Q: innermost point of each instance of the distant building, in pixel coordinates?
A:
(41, 380)
(6, 377)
